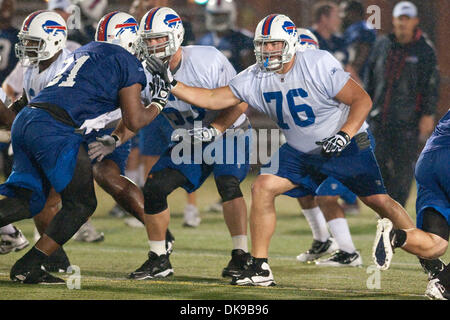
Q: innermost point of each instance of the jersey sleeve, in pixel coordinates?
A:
(244, 88)
(225, 71)
(130, 71)
(329, 75)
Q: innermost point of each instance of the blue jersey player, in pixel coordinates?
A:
(430, 239)
(48, 151)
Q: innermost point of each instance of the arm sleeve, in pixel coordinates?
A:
(329, 75)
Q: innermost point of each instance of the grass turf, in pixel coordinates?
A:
(200, 255)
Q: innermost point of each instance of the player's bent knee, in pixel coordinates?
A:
(262, 187)
(228, 187)
(158, 186)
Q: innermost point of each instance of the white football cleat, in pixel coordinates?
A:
(13, 242)
(318, 249)
(382, 250)
(191, 216)
(436, 291)
(341, 259)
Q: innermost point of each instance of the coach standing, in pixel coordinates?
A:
(402, 79)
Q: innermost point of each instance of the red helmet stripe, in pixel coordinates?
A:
(102, 31)
(267, 24)
(149, 20)
(27, 23)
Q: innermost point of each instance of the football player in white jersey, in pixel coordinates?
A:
(322, 113)
(162, 32)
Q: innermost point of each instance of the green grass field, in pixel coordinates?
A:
(200, 254)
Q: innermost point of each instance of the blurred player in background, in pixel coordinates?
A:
(359, 38)
(90, 13)
(327, 23)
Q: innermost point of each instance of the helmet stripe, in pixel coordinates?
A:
(103, 30)
(27, 23)
(267, 24)
(149, 20)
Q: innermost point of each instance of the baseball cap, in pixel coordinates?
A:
(405, 8)
(58, 4)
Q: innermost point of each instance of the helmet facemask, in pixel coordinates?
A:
(162, 50)
(31, 50)
(273, 60)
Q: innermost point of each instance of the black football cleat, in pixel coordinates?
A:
(432, 267)
(239, 262)
(256, 274)
(32, 275)
(155, 267)
(57, 262)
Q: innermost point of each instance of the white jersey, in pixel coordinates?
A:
(2, 95)
(15, 78)
(34, 81)
(300, 101)
(201, 66)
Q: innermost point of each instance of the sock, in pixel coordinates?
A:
(398, 237)
(317, 223)
(341, 233)
(8, 229)
(444, 277)
(158, 247)
(240, 242)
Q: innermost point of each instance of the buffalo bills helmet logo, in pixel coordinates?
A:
(172, 20)
(289, 27)
(53, 28)
(305, 40)
(130, 24)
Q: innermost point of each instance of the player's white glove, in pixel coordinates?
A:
(334, 145)
(160, 92)
(156, 66)
(205, 134)
(103, 146)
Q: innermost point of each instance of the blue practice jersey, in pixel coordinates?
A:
(441, 135)
(89, 84)
(233, 45)
(8, 60)
(335, 45)
(360, 32)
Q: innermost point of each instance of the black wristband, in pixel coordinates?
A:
(345, 135)
(115, 137)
